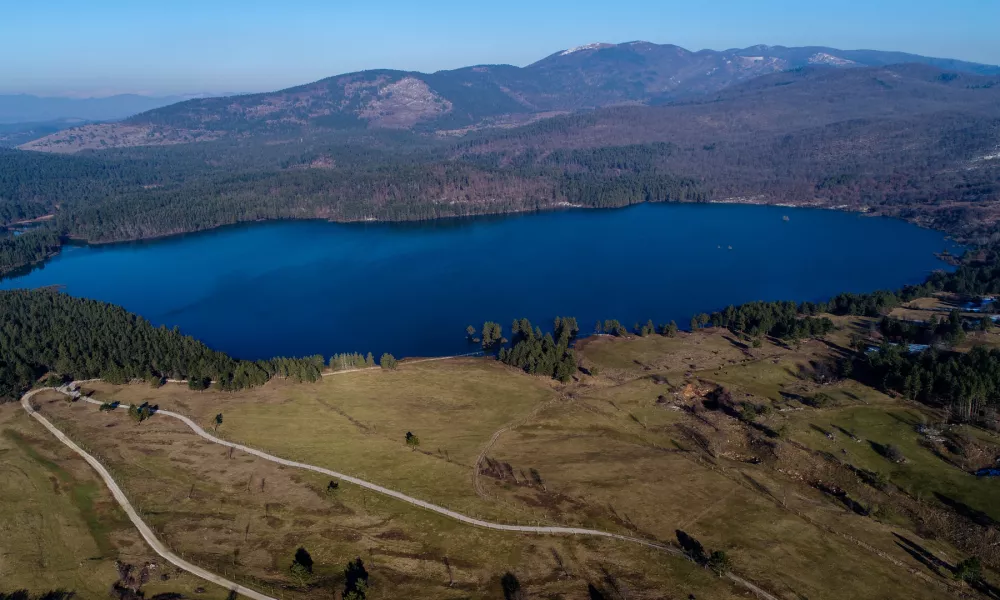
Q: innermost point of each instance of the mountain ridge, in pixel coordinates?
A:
(480, 96)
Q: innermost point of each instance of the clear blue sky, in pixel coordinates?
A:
(177, 46)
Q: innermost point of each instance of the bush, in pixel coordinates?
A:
(750, 412)
(970, 569)
(893, 453)
(889, 452)
(53, 381)
(388, 361)
(719, 563)
(820, 400)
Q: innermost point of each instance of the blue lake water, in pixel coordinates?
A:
(312, 287)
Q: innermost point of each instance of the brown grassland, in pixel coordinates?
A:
(627, 446)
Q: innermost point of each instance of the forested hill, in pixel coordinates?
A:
(907, 140)
(586, 77)
(44, 330)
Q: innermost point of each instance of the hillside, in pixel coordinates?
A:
(905, 140)
(692, 440)
(591, 76)
(910, 141)
(766, 441)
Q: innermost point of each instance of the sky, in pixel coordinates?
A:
(162, 47)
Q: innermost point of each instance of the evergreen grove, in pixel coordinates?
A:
(45, 330)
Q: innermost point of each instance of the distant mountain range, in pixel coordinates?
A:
(25, 108)
(586, 77)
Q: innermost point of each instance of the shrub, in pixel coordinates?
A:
(719, 563)
(970, 569)
(893, 453)
(820, 400)
(749, 412)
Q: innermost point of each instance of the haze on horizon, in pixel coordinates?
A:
(188, 47)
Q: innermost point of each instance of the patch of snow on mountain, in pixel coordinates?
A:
(822, 58)
(977, 161)
(593, 46)
(994, 156)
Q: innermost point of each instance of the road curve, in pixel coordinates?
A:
(144, 529)
(160, 549)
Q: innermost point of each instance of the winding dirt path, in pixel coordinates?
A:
(133, 516)
(162, 550)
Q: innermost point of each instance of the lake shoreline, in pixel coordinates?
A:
(556, 207)
(302, 287)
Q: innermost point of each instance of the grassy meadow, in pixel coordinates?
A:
(801, 497)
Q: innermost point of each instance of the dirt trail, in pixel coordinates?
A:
(133, 515)
(160, 549)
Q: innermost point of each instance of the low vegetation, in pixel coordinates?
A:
(753, 442)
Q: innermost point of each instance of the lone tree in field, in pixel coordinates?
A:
(302, 566)
(412, 440)
(218, 421)
(355, 580)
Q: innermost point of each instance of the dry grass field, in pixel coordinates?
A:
(245, 517)
(59, 526)
(633, 447)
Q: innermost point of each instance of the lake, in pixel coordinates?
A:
(313, 287)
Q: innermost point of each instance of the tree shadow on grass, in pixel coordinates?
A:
(735, 342)
(909, 420)
(846, 432)
(923, 555)
(815, 427)
(976, 516)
